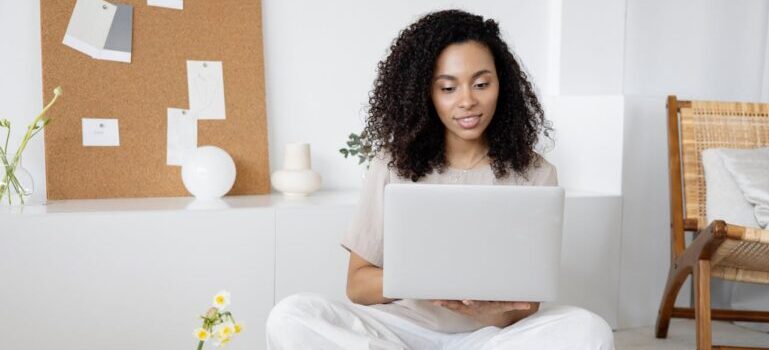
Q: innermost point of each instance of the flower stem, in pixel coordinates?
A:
(10, 167)
(200, 345)
(6, 179)
(10, 179)
(30, 129)
(7, 137)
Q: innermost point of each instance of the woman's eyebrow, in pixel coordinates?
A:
(445, 76)
(453, 78)
(481, 72)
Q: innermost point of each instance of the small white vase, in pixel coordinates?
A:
(296, 178)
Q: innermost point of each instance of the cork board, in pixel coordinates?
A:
(138, 95)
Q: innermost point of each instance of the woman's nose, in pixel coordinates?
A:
(467, 99)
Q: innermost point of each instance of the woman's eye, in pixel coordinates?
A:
(481, 85)
(448, 89)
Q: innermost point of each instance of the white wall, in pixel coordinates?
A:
(593, 33)
(21, 80)
(708, 49)
(588, 141)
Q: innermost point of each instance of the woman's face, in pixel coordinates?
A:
(465, 89)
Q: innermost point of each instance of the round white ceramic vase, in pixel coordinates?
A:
(208, 172)
(296, 178)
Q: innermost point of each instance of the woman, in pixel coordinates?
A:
(450, 105)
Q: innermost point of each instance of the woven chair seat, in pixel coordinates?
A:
(745, 260)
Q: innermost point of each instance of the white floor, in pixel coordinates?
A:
(681, 336)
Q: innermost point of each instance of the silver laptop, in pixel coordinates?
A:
(472, 242)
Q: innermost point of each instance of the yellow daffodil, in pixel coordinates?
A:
(202, 334)
(221, 300)
(238, 328)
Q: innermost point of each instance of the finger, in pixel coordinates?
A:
(450, 305)
(522, 306)
(458, 306)
(504, 306)
(461, 308)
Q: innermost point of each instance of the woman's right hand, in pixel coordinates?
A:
(364, 282)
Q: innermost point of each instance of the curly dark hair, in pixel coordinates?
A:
(402, 119)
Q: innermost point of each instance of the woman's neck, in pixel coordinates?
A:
(466, 154)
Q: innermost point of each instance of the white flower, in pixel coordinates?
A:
(201, 334)
(224, 330)
(221, 299)
(224, 333)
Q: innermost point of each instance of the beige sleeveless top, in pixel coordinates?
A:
(364, 236)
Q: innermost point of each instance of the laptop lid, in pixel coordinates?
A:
(472, 242)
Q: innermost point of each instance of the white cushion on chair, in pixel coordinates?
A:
(723, 197)
(750, 169)
(726, 201)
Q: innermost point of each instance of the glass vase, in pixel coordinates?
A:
(16, 185)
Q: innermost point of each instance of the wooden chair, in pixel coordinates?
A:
(718, 249)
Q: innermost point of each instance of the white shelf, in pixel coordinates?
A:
(160, 204)
(118, 260)
(276, 200)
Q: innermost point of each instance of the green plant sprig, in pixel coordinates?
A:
(360, 146)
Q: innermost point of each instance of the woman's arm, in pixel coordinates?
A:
(364, 282)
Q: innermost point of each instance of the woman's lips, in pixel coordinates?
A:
(469, 122)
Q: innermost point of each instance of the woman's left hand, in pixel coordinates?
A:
(491, 313)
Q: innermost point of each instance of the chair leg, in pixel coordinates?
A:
(702, 305)
(676, 277)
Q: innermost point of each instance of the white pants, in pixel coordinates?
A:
(308, 321)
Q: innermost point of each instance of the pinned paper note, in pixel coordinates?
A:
(89, 26)
(100, 132)
(172, 4)
(101, 30)
(182, 135)
(205, 84)
(118, 44)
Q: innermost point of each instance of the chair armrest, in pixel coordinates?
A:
(706, 243)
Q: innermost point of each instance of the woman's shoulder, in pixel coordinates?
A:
(539, 173)
(380, 162)
(542, 172)
(541, 164)
(379, 168)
